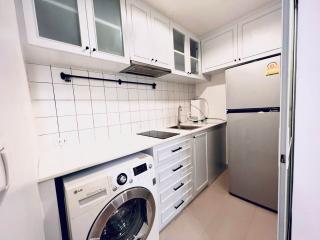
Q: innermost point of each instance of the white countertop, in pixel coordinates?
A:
(64, 160)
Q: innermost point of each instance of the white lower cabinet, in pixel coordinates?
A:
(182, 172)
(200, 162)
(174, 166)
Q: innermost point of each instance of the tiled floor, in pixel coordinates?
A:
(216, 215)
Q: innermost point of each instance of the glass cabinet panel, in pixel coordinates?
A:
(58, 20)
(108, 23)
(194, 56)
(179, 53)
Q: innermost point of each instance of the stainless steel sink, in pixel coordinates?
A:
(185, 127)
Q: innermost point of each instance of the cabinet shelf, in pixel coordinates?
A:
(61, 6)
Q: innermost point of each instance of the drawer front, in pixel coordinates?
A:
(172, 151)
(170, 212)
(175, 177)
(170, 195)
(173, 168)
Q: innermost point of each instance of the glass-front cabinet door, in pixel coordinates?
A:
(106, 28)
(194, 56)
(179, 40)
(59, 24)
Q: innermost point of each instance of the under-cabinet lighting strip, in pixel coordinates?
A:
(67, 77)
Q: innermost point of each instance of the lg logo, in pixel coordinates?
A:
(77, 191)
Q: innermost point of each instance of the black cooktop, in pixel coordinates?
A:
(158, 134)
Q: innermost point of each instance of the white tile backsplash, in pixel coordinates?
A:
(93, 82)
(83, 107)
(86, 110)
(67, 123)
(86, 136)
(63, 92)
(80, 81)
(100, 120)
(65, 108)
(44, 108)
(46, 125)
(39, 73)
(81, 92)
(55, 73)
(99, 106)
(41, 91)
(85, 121)
(97, 93)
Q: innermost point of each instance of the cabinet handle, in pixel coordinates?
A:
(176, 169)
(235, 60)
(176, 207)
(176, 188)
(156, 60)
(6, 172)
(86, 48)
(239, 59)
(93, 49)
(177, 149)
(152, 59)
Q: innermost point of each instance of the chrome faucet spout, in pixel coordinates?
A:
(179, 116)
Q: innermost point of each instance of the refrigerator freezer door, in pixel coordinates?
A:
(252, 153)
(249, 87)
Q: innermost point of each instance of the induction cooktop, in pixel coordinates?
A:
(158, 134)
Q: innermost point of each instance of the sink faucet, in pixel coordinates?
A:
(179, 116)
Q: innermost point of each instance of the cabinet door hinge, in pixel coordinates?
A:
(283, 158)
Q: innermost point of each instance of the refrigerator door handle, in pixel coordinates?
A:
(6, 172)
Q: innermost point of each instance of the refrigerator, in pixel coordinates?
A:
(253, 112)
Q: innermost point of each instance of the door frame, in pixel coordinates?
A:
(286, 133)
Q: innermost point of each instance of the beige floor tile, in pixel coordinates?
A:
(217, 215)
(182, 228)
(264, 225)
(232, 221)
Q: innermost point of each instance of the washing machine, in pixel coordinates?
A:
(115, 201)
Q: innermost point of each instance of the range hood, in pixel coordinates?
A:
(147, 70)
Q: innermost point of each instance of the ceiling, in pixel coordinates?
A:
(202, 16)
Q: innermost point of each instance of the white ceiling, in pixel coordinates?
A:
(202, 16)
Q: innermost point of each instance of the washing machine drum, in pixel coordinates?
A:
(128, 216)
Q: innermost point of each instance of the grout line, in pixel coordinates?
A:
(55, 102)
(74, 101)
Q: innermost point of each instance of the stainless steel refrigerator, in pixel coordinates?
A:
(253, 100)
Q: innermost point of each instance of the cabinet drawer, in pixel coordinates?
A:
(175, 177)
(170, 212)
(169, 152)
(172, 193)
(173, 168)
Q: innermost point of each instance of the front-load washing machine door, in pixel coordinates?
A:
(128, 216)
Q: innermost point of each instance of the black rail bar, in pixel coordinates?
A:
(67, 77)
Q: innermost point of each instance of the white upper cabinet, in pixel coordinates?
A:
(149, 35)
(260, 34)
(93, 28)
(57, 24)
(140, 31)
(194, 56)
(220, 49)
(186, 54)
(255, 36)
(107, 28)
(180, 50)
(161, 42)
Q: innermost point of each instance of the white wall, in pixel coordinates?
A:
(214, 92)
(306, 185)
(21, 216)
